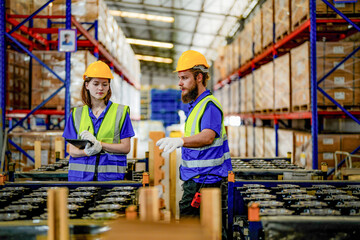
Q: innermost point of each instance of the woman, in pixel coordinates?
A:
(105, 124)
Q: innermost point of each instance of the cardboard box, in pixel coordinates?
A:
(250, 141)
(257, 30)
(243, 91)
(282, 18)
(349, 142)
(267, 15)
(300, 11)
(328, 142)
(249, 93)
(243, 141)
(259, 142)
(267, 90)
(286, 142)
(282, 84)
(269, 142)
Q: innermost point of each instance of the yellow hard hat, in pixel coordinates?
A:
(98, 69)
(190, 59)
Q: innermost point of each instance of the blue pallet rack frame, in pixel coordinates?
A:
(92, 41)
(314, 113)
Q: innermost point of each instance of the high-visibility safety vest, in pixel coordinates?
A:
(109, 166)
(213, 159)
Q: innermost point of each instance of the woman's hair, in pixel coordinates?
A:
(85, 94)
(206, 75)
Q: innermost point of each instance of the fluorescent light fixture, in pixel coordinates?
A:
(153, 59)
(149, 43)
(249, 8)
(143, 16)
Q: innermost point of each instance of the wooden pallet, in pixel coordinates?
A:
(304, 107)
(284, 34)
(336, 108)
(267, 110)
(282, 110)
(300, 22)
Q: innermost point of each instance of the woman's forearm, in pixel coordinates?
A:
(123, 147)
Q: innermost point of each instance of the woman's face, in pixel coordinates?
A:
(98, 87)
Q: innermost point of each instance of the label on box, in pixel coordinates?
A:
(339, 5)
(338, 49)
(328, 141)
(339, 80)
(340, 67)
(339, 95)
(328, 156)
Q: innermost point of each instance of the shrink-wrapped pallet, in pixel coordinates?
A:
(250, 106)
(257, 30)
(300, 11)
(234, 138)
(267, 15)
(250, 136)
(235, 96)
(246, 43)
(303, 145)
(267, 93)
(229, 59)
(225, 92)
(258, 89)
(243, 94)
(286, 142)
(269, 142)
(282, 84)
(243, 141)
(17, 80)
(281, 18)
(236, 50)
(259, 142)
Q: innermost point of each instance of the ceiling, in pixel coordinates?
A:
(202, 25)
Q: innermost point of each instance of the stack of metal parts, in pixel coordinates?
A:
(263, 164)
(61, 165)
(90, 202)
(286, 200)
(271, 169)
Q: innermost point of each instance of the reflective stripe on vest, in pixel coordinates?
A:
(192, 127)
(101, 168)
(206, 163)
(110, 127)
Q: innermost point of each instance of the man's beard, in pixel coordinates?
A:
(191, 95)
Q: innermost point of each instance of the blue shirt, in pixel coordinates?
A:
(211, 119)
(126, 130)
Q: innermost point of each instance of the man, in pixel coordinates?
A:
(67, 40)
(205, 151)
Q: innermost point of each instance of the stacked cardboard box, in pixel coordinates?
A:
(269, 142)
(282, 84)
(250, 136)
(258, 89)
(243, 91)
(259, 142)
(17, 80)
(256, 24)
(246, 43)
(282, 18)
(267, 19)
(267, 93)
(45, 83)
(286, 142)
(243, 141)
(235, 96)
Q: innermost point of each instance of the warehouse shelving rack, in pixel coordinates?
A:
(304, 32)
(24, 44)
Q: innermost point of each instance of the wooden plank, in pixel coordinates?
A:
(173, 181)
(37, 153)
(135, 147)
(210, 212)
(58, 221)
(149, 204)
(158, 160)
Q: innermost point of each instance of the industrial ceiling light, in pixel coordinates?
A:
(153, 59)
(143, 16)
(149, 43)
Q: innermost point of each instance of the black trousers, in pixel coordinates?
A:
(190, 188)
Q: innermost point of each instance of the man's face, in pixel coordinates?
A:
(188, 86)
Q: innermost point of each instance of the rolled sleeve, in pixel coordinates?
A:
(127, 128)
(212, 119)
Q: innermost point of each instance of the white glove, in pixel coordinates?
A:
(95, 146)
(93, 149)
(170, 144)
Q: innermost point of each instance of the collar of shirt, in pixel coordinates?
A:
(192, 104)
(101, 115)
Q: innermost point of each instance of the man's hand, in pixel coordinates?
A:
(170, 144)
(95, 146)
